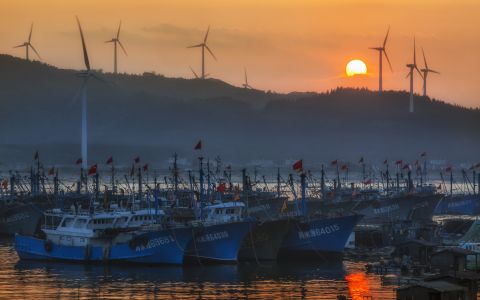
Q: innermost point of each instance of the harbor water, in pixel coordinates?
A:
(302, 280)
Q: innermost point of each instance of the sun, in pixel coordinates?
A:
(356, 67)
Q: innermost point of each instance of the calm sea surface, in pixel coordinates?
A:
(40, 280)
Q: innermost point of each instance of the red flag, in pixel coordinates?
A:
(423, 154)
(222, 187)
(136, 159)
(5, 184)
(79, 161)
(35, 157)
(344, 167)
(132, 170)
(385, 162)
(368, 182)
(110, 160)
(92, 170)
(334, 162)
(399, 162)
(51, 171)
(406, 167)
(360, 161)
(198, 146)
(298, 165)
(145, 168)
(448, 169)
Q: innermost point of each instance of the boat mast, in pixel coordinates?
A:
(322, 182)
(175, 173)
(303, 187)
(278, 182)
(201, 186)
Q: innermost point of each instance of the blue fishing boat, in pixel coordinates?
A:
(107, 236)
(316, 236)
(459, 205)
(219, 236)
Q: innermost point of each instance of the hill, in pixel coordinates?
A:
(153, 116)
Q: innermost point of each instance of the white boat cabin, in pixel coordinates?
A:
(78, 229)
(224, 212)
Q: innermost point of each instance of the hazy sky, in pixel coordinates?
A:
(300, 45)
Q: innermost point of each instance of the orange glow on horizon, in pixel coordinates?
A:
(285, 45)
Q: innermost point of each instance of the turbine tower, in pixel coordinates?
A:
(29, 45)
(246, 85)
(412, 67)
(204, 46)
(425, 71)
(381, 50)
(115, 41)
(86, 74)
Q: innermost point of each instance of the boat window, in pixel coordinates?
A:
(67, 222)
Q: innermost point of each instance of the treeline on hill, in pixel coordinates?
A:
(155, 115)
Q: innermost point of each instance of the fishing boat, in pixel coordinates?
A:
(318, 237)
(218, 234)
(105, 236)
(263, 242)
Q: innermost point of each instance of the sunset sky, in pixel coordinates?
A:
(300, 45)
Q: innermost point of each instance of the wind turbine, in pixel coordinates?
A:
(410, 73)
(86, 74)
(204, 46)
(115, 41)
(246, 85)
(381, 50)
(425, 71)
(29, 45)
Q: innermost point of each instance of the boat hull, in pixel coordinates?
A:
(265, 240)
(218, 243)
(318, 237)
(19, 217)
(158, 247)
(459, 205)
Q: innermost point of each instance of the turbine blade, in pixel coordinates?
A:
(206, 35)
(110, 41)
(118, 32)
(21, 45)
(30, 35)
(85, 54)
(195, 74)
(34, 50)
(388, 60)
(421, 75)
(424, 59)
(386, 37)
(195, 46)
(213, 55)
(433, 71)
(121, 46)
(409, 73)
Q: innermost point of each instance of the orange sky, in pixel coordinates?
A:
(300, 45)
